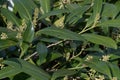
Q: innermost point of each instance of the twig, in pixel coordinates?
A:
(55, 43)
(78, 53)
(82, 49)
(35, 53)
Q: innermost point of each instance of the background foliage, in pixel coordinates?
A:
(60, 40)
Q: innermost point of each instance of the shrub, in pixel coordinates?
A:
(60, 40)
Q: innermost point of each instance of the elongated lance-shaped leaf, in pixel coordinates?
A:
(23, 66)
(60, 33)
(97, 7)
(106, 11)
(8, 72)
(110, 23)
(30, 69)
(42, 51)
(45, 6)
(7, 43)
(28, 36)
(12, 69)
(115, 71)
(61, 73)
(25, 8)
(76, 14)
(101, 40)
(54, 12)
(10, 16)
(96, 65)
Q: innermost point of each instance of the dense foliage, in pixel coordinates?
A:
(60, 40)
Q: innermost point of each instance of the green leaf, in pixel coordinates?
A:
(13, 63)
(31, 78)
(12, 69)
(60, 33)
(117, 5)
(110, 23)
(106, 11)
(54, 12)
(7, 43)
(101, 40)
(25, 8)
(45, 6)
(62, 73)
(115, 71)
(9, 71)
(10, 16)
(30, 69)
(33, 70)
(97, 7)
(42, 51)
(29, 33)
(99, 66)
(105, 29)
(76, 14)
(27, 38)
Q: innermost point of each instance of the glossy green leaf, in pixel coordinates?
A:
(42, 51)
(28, 36)
(31, 78)
(12, 69)
(76, 14)
(110, 23)
(9, 71)
(30, 69)
(29, 33)
(49, 40)
(45, 6)
(105, 29)
(7, 43)
(115, 71)
(117, 5)
(106, 11)
(33, 70)
(25, 8)
(13, 63)
(99, 66)
(54, 12)
(10, 16)
(60, 33)
(62, 73)
(101, 40)
(97, 7)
